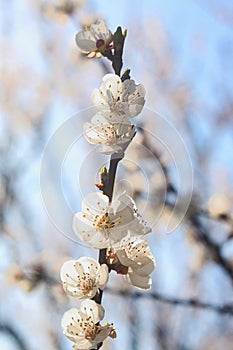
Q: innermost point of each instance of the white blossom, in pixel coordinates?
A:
(118, 101)
(94, 38)
(110, 136)
(81, 278)
(134, 260)
(101, 224)
(82, 326)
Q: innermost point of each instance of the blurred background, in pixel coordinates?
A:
(182, 53)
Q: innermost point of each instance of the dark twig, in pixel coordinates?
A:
(215, 249)
(9, 330)
(192, 302)
(108, 191)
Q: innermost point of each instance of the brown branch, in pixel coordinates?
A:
(108, 191)
(192, 302)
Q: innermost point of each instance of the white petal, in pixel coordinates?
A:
(128, 89)
(85, 41)
(86, 261)
(96, 240)
(95, 202)
(99, 119)
(103, 334)
(112, 82)
(100, 30)
(135, 109)
(140, 91)
(142, 282)
(88, 234)
(124, 260)
(90, 265)
(78, 265)
(67, 317)
(83, 344)
(123, 212)
(98, 99)
(102, 276)
(115, 116)
(93, 310)
(68, 268)
(82, 225)
(73, 291)
(148, 265)
(117, 234)
(91, 133)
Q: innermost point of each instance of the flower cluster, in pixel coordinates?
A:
(117, 102)
(83, 328)
(112, 225)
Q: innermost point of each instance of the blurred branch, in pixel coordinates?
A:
(162, 336)
(194, 218)
(223, 217)
(9, 330)
(133, 325)
(192, 302)
(43, 276)
(202, 235)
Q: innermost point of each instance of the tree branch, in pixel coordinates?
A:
(9, 330)
(192, 302)
(202, 235)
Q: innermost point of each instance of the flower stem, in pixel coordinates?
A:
(108, 188)
(108, 191)
(115, 159)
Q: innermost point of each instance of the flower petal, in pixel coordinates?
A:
(93, 310)
(148, 265)
(82, 225)
(95, 202)
(100, 31)
(124, 260)
(68, 320)
(141, 282)
(83, 344)
(68, 268)
(102, 278)
(85, 41)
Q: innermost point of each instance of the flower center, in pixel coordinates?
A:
(104, 222)
(91, 331)
(86, 285)
(99, 43)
